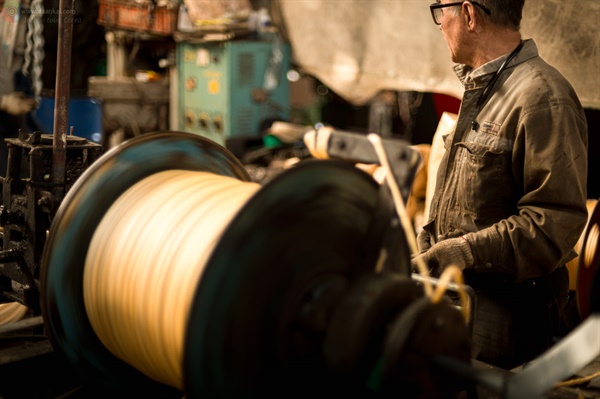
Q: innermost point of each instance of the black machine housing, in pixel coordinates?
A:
(30, 199)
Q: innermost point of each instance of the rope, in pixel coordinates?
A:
(34, 48)
(578, 381)
(400, 207)
(317, 142)
(145, 260)
(452, 272)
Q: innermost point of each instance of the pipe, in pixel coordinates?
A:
(61, 96)
(21, 325)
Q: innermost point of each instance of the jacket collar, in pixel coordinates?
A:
(472, 78)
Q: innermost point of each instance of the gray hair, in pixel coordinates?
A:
(506, 13)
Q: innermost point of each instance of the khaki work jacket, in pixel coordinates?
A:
(515, 182)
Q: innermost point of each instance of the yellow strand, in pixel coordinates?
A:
(11, 312)
(400, 207)
(452, 272)
(145, 260)
(591, 245)
(578, 381)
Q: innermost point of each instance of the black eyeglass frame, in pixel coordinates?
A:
(436, 6)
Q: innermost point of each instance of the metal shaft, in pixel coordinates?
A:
(61, 96)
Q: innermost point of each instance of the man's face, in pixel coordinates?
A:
(453, 29)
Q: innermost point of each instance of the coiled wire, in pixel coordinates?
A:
(145, 261)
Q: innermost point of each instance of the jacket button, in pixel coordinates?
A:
(488, 265)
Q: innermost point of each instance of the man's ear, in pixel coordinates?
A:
(469, 16)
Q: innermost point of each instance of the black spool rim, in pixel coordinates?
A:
(84, 206)
(253, 282)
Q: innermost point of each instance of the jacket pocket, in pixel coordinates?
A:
(486, 187)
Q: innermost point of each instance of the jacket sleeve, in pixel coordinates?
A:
(550, 162)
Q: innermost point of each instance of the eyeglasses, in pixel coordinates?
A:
(437, 9)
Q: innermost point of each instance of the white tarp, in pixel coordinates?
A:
(359, 47)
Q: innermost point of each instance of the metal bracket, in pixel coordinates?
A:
(355, 147)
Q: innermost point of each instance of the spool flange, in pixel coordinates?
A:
(63, 260)
(259, 317)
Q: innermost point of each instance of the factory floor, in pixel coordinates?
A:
(46, 375)
(30, 369)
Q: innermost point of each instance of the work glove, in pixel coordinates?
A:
(16, 103)
(453, 251)
(423, 241)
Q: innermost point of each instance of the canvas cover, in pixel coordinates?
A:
(359, 47)
(202, 12)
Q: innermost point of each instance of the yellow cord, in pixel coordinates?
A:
(11, 312)
(400, 207)
(578, 381)
(452, 272)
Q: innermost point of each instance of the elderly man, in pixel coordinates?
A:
(510, 197)
(14, 105)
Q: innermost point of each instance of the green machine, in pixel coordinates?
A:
(233, 89)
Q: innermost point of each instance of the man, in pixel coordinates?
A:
(510, 197)
(14, 105)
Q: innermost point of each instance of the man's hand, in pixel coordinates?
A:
(453, 251)
(423, 241)
(16, 103)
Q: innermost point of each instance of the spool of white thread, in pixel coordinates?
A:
(145, 261)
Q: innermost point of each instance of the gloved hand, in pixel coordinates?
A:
(16, 103)
(453, 251)
(423, 241)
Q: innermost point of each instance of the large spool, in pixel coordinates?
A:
(144, 262)
(588, 270)
(243, 297)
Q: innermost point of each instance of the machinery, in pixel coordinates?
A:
(307, 286)
(310, 308)
(234, 89)
(30, 201)
(159, 269)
